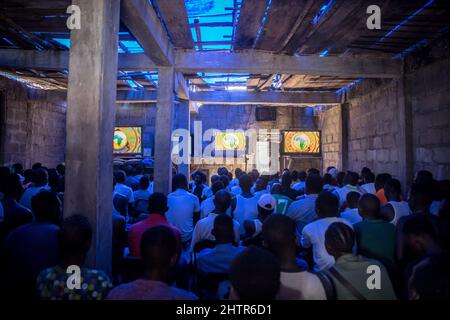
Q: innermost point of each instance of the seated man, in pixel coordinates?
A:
(120, 187)
(313, 234)
(369, 183)
(75, 240)
(141, 195)
(203, 228)
(303, 210)
(254, 275)
(296, 283)
(207, 206)
(253, 228)
(396, 207)
(157, 206)
(375, 237)
(218, 259)
(32, 247)
(282, 202)
(159, 252)
(351, 180)
(40, 180)
(351, 212)
(350, 275)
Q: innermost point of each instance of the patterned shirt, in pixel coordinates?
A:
(52, 285)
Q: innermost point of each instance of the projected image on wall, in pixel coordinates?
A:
(127, 140)
(301, 142)
(229, 141)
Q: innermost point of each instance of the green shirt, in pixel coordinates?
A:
(376, 240)
(355, 270)
(282, 203)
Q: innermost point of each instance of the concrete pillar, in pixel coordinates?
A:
(163, 130)
(183, 121)
(405, 136)
(90, 122)
(344, 124)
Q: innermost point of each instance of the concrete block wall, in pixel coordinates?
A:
(33, 125)
(430, 88)
(329, 121)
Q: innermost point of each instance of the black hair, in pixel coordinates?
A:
(275, 188)
(369, 204)
(340, 237)
(46, 207)
(381, 180)
(222, 200)
(144, 182)
(327, 178)
(286, 179)
(302, 175)
(157, 203)
(75, 235)
(351, 178)
(36, 165)
(313, 184)
(278, 232)
(216, 186)
(423, 176)
(352, 199)
(11, 186)
(120, 176)
(255, 274)
(420, 196)
(158, 246)
(393, 186)
(61, 169)
(369, 177)
(340, 178)
(327, 204)
(294, 175)
(17, 168)
(245, 182)
(179, 181)
(225, 180)
(40, 177)
(313, 171)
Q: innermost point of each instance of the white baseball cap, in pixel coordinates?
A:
(267, 201)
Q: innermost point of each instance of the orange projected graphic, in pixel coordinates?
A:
(127, 140)
(301, 142)
(229, 141)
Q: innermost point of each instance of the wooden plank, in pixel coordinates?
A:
(143, 22)
(250, 18)
(257, 62)
(280, 19)
(174, 14)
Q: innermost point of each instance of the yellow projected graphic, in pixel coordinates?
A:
(229, 141)
(301, 142)
(127, 140)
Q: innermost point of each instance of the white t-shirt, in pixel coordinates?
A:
(246, 209)
(302, 285)
(236, 190)
(351, 215)
(369, 188)
(299, 186)
(313, 235)
(182, 206)
(401, 209)
(125, 190)
(259, 193)
(203, 228)
(303, 211)
(207, 206)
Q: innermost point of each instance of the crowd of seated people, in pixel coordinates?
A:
(294, 235)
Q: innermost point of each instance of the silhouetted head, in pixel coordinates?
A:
(392, 190)
(420, 198)
(179, 181)
(225, 180)
(17, 168)
(419, 235)
(369, 206)
(245, 182)
(120, 176)
(75, 236)
(276, 188)
(381, 180)
(157, 203)
(351, 178)
(261, 184)
(255, 275)
(279, 234)
(286, 179)
(313, 184)
(352, 199)
(214, 178)
(40, 177)
(327, 205)
(216, 186)
(46, 207)
(423, 177)
(144, 183)
(302, 176)
(222, 201)
(223, 229)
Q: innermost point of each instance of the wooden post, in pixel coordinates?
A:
(90, 123)
(163, 130)
(344, 137)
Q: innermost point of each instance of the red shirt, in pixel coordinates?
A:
(137, 230)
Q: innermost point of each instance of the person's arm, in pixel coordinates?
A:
(305, 240)
(196, 215)
(387, 212)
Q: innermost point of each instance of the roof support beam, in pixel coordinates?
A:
(258, 62)
(253, 62)
(143, 22)
(270, 98)
(181, 86)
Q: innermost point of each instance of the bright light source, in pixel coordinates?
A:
(237, 88)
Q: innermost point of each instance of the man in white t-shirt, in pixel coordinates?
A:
(40, 180)
(120, 187)
(369, 183)
(396, 207)
(351, 213)
(207, 206)
(246, 203)
(303, 210)
(313, 234)
(184, 207)
(300, 185)
(296, 283)
(203, 228)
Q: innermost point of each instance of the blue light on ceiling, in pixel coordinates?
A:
(387, 35)
(324, 53)
(130, 45)
(322, 12)
(9, 42)
(263, 21)
(343, 89)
